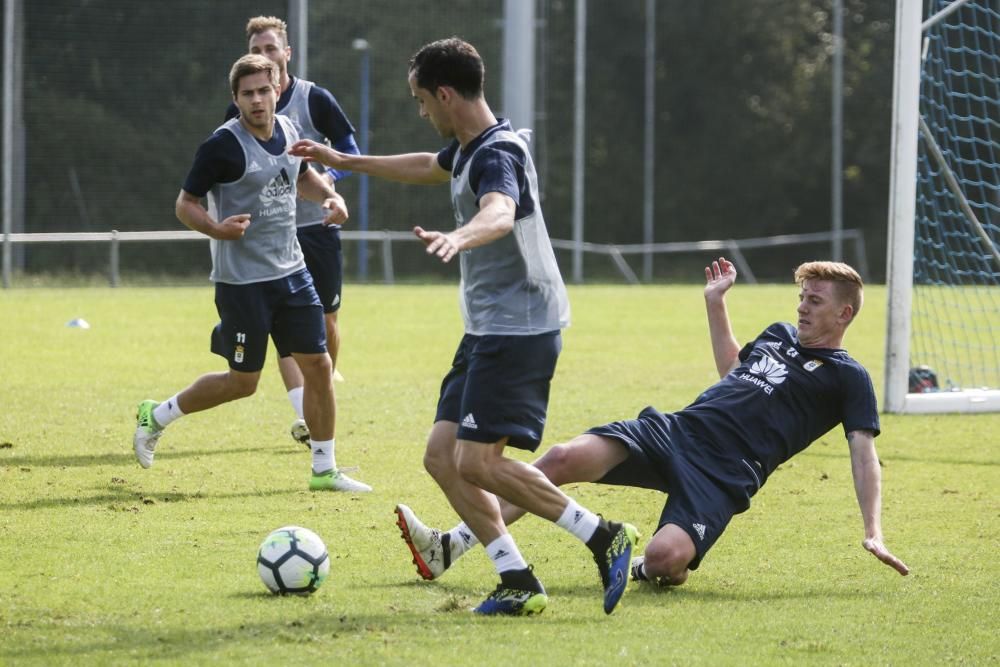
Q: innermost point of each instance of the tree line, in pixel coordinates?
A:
(118, 95)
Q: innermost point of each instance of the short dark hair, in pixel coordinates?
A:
(450, 62)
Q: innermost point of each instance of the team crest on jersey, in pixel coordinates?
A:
(812, 365)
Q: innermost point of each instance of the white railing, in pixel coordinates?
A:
(733, 248)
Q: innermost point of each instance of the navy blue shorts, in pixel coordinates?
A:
(325, 262)
(703, 493)
(286, 309)
(498, 387)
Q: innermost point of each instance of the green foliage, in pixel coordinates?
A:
(122, 93)
(106, 563)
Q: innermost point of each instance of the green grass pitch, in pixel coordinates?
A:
(102, 562)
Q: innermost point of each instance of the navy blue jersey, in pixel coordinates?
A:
(498, 167)
(220, 159)
(780, 398)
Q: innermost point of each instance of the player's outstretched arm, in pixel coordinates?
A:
(189, 210)
(868, 487)
(719, 277)
(415, 168)
(494, 220)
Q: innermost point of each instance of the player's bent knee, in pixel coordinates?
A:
(440, 465)
(473, 471)
(670, 566)
(670, 557)
(315, 366)
(242, 385)
(556, 463)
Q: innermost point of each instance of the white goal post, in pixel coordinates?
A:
(943, 263)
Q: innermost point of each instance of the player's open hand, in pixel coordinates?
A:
(719, 277)
(232, 228)
(312, 151)
(876, 547)
(437, 243)
(336, 210)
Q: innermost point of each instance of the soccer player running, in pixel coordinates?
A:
(316, 115)
(776, 396)
(514, 305)
(262, 287)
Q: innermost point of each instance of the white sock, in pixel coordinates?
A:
(504, 554)
(322, 453)
(462, 539)
(295, 398)
(579, 521)
(167, 411)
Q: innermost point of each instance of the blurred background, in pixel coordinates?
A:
(116, 95)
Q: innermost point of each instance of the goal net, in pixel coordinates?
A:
(943, 344)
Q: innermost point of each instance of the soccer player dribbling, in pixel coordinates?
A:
(514, 305)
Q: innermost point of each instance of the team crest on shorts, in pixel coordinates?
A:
(238, 354)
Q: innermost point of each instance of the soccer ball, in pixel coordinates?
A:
(293, 560)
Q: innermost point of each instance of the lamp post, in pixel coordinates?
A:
(362, 46)
(837, 140)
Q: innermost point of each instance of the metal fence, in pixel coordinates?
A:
(106, 101)
(386, 240)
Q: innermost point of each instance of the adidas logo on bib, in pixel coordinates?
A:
(470, 422)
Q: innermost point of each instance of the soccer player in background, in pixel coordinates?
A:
(262, 287)
(777, 394)
(514, 305)
(317, 116)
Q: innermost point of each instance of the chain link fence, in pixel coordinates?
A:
(117, 95)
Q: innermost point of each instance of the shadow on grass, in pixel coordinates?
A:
(302, 626)
(143, 643)
(127, 499)
(647, 595)
(127, 458)
(643, 595)
(902, 457)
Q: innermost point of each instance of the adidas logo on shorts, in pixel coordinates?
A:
(470, 422)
